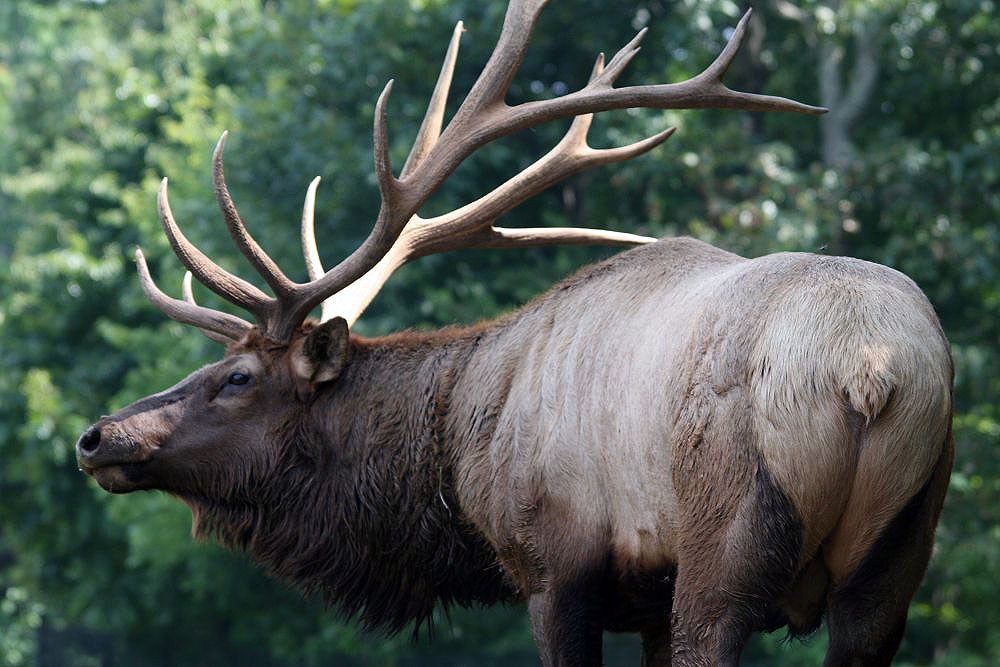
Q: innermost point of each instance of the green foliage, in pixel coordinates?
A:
(98, 100)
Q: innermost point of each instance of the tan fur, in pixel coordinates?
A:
(840, 366)
(863, 334)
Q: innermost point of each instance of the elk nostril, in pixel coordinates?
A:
(90, 441)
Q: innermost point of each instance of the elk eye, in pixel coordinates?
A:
(239, 378)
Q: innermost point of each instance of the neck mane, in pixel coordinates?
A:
(360, 507)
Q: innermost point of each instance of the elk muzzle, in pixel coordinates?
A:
(116, 461)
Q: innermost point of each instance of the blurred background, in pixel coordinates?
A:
(99, 99)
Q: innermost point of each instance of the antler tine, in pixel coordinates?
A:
(494, 81)
(620, 60)
(260, 260)
(502, 237)
(576, 136)
(430, 128)
(188, 294)
(314, 266)
(725, 58)
(218, 326)
(230, 287)
(388, 185)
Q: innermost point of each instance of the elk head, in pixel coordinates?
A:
(223, 416)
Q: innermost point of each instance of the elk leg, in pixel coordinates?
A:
(567, 624)
(740, 537)
(866, 613)
(727, 583)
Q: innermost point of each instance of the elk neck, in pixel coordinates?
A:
(361, 507)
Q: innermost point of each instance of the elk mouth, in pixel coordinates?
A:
(120, 477)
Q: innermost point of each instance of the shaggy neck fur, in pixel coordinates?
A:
(359, 504)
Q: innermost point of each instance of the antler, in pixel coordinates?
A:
(400, 235)
(217, 325)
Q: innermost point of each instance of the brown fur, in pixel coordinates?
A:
(677, 441)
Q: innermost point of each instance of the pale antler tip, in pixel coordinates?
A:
(145, 279)
(186, 287)
(383, 98)
(220, 145)
(661, 137)
(598, 66)
(741, 25)
(657, 139)
(307, 210)
(635, 41)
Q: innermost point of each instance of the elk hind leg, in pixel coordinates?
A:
(728, 589)
(866, 612)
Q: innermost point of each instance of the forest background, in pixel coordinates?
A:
(99, 99)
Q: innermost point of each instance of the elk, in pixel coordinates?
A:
(677, 441)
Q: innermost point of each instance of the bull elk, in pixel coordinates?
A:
(677, 441)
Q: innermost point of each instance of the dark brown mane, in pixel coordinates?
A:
(357, 511)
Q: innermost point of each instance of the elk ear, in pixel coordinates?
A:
(323, 352)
